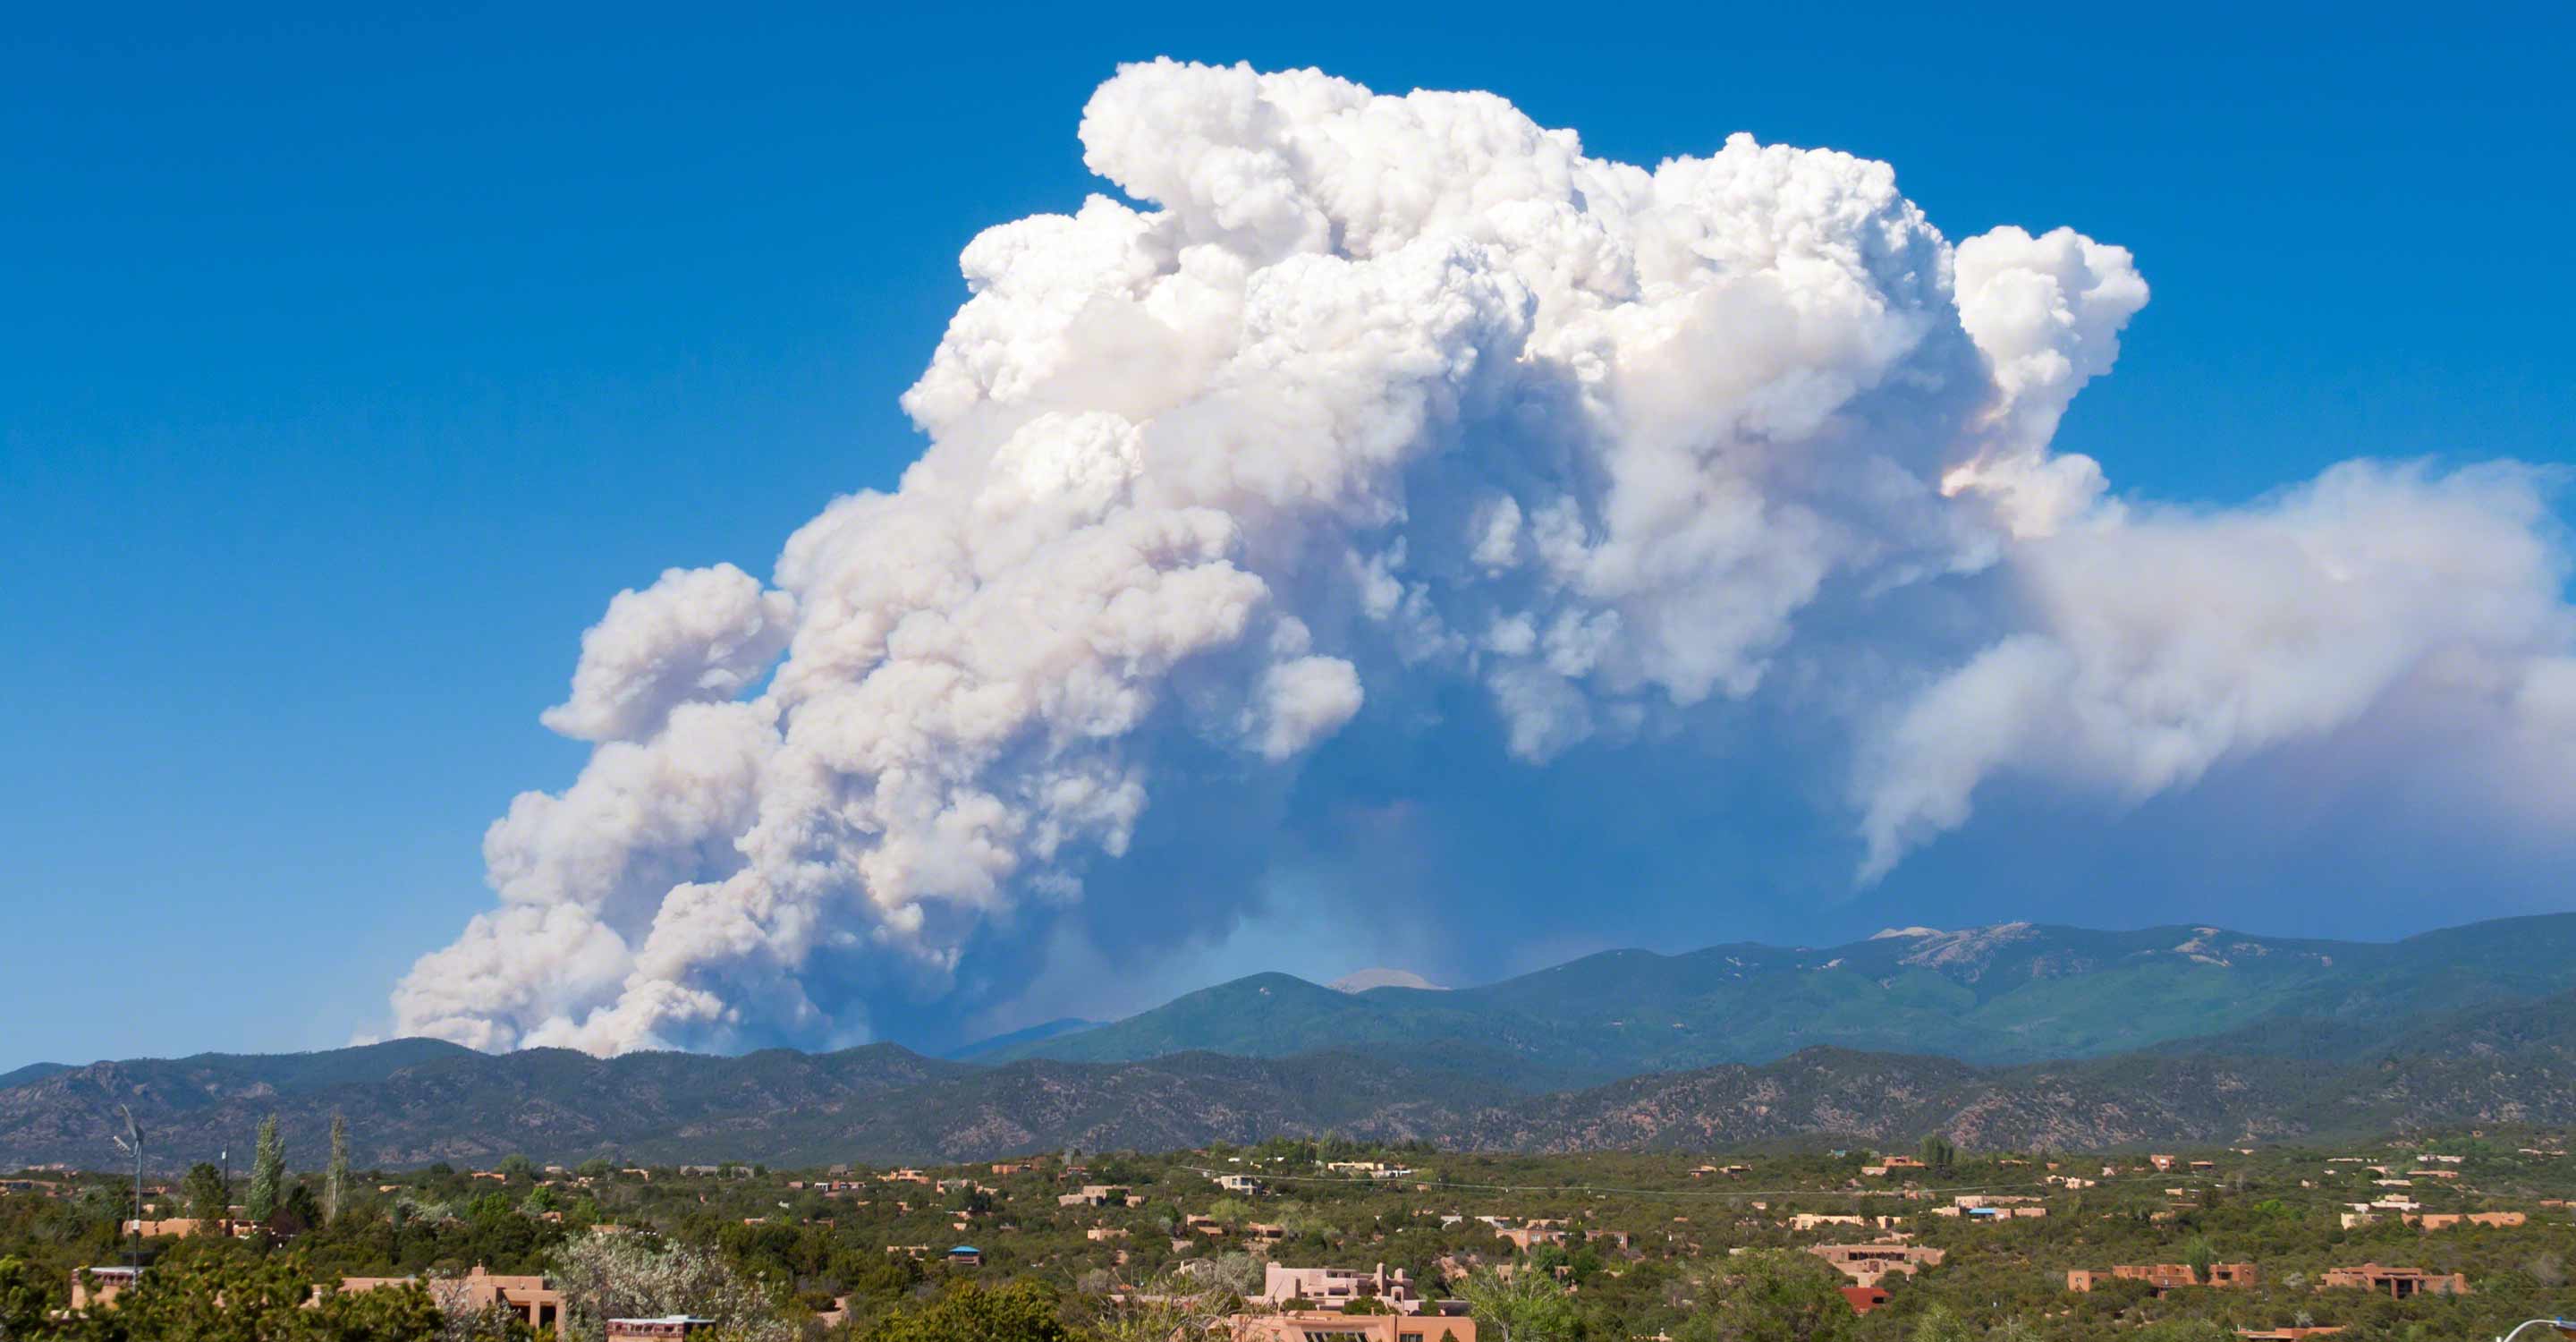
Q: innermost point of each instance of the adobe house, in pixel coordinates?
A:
(177, 1227)
(2165, 1277)
(965, 1255)
(2399, 1282)
(1336, 1286)
(98, 1287)
(1865, 1264)
(533, 1299)
(2446, 1220)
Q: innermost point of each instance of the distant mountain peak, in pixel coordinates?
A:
(1891, 933)
(1365, 979)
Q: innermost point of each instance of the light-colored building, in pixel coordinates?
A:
(176, 1227)
(1092, 1195)
(1307, 1326)
(2446, 1220)
(533, 1299)
(1336, 1286)
(1865, 1264)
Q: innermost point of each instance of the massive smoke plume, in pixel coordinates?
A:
(1377, 393)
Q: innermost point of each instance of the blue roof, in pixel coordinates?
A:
(965, 1248)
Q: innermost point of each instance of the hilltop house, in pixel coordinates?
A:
(2398, 1282)
(2163, 1277)
(534, 1300)
(1865, 1264)
(2446, 1220)
(1336, 1286)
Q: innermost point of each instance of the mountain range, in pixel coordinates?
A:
(2015, 993)
(2007, 1036)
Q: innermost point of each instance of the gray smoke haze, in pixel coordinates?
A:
(1376, 398)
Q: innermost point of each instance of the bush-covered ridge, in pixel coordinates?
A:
(2507, 1064)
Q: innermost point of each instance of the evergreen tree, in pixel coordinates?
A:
(267, 1174)
(207, 1198)
(335, 1185)
(1937, 1153)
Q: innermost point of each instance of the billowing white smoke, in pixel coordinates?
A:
(1383, 391)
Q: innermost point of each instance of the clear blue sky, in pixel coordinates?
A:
(351, 362)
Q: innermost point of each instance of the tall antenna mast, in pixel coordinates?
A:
(132, 1143)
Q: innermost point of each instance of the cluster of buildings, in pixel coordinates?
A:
(2396, 1282)
(531, 1300)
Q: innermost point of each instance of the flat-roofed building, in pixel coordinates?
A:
(533, 1299)
(98, 1287)
(1336, 1286)
(2397, 1282)
(2165, 1277)
(1311, 1326)
(1865, 1264)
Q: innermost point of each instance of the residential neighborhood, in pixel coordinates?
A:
(1299, 1240)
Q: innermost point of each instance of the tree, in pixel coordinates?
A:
(1522, 1307)
(335, 1184)
(516, 1168)
(23, 1300)
(624, 1276)
(228, 1297)
(1191, 1302)
(1940, 1324)
(207, 1198)
(1774, 1295)
(1937, 1153)
(298, 1211)
(267, 1174)
(1020, 1312)
(2198, 1253)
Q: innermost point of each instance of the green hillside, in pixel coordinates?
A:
(2495, 1066)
